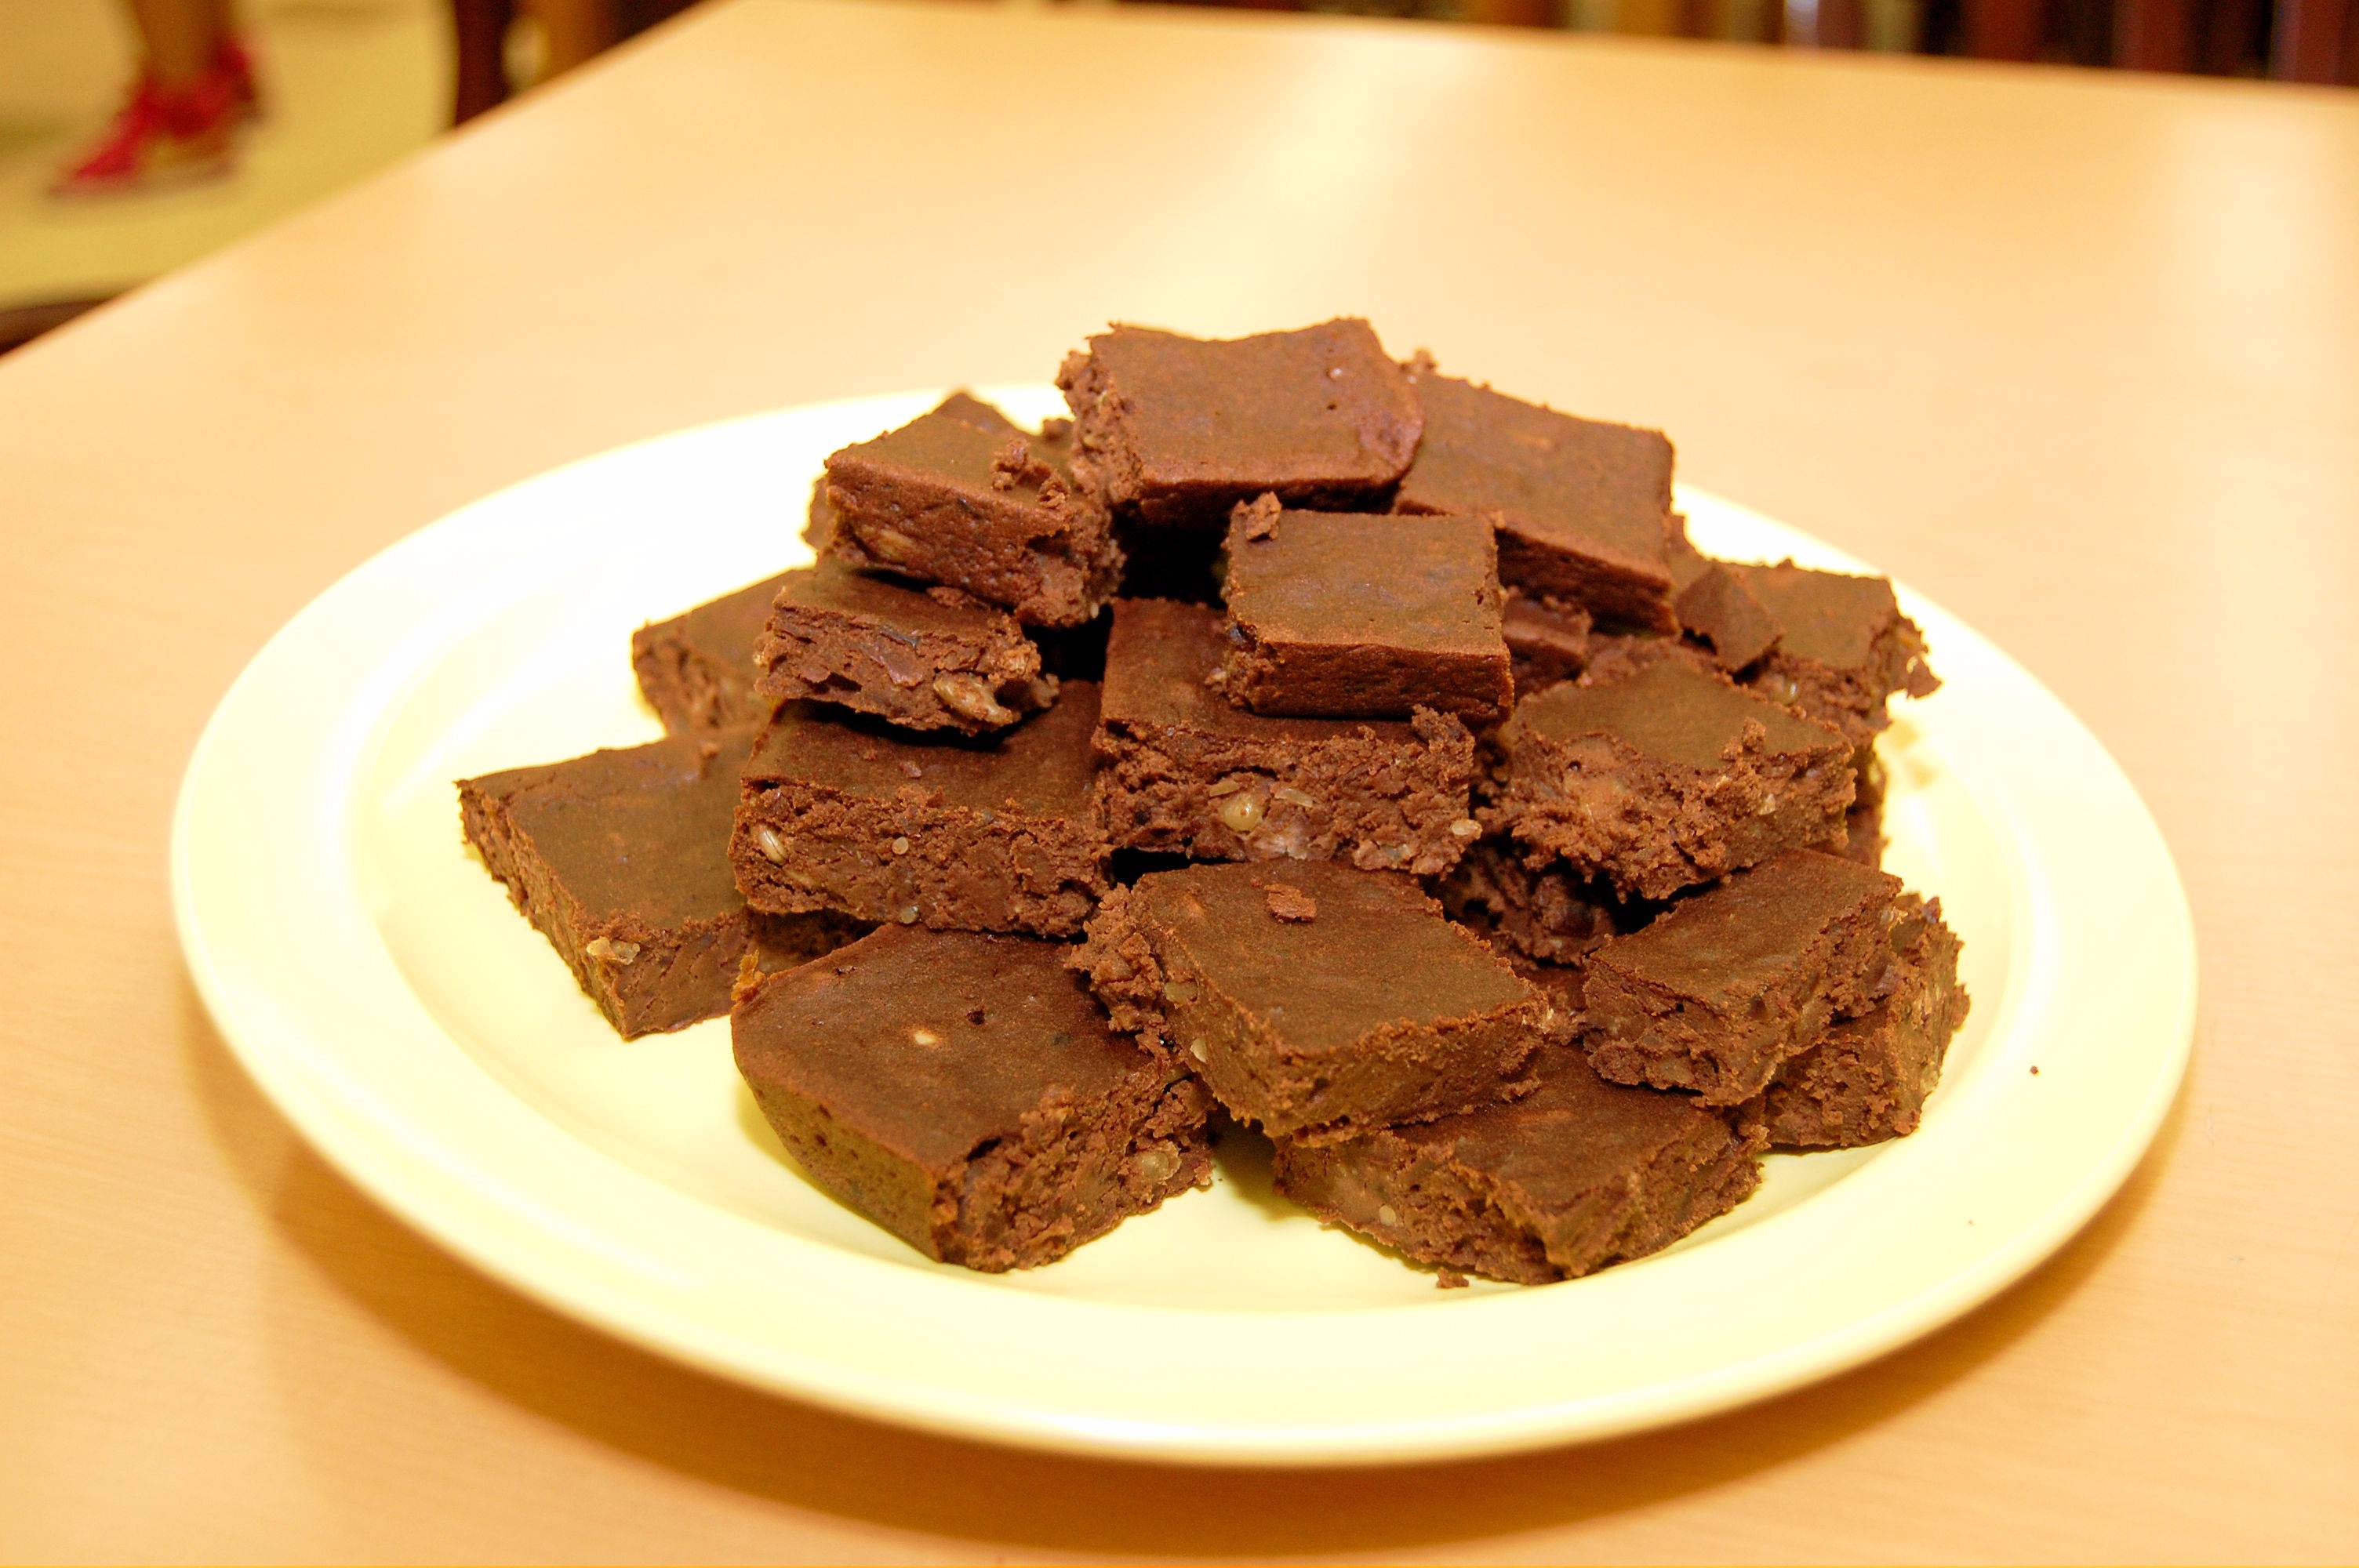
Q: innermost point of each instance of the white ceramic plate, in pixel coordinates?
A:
(377, 985)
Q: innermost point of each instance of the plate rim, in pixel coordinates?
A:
(374, 1167)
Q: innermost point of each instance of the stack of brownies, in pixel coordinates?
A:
(1295, 738)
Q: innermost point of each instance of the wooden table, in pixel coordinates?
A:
(2079, 356)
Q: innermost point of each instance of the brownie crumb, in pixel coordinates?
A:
(1450, 1280)
(1014, 464)
(1257, 518)
(2035, 1072)
(749, 979)
(1290, 903)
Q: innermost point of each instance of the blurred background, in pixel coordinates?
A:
(137, 134)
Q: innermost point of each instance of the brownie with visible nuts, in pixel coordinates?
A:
(1351, 615)
(1055, 437)
(1727, 987)
(921, 658)
(1314, 999)
(973, 502)
(1547, 641)
(696, 669)
(1867, 1077)
(1176, 430)
(1575, 1175)
(1543, 912)
(1834, 645)
(1666, 778)
(837, 811)
(1184, 770)
(621, 860)
(1583, 508)
(963, 1091)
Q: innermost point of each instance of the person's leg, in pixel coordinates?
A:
(181, 37)
(573, 31)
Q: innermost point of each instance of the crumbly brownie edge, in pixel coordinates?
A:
(1639, 1031)
(1445, 1217)
(1612, 592)
(1545, 914)
(797, 847)
(1119, 962)
(1075, 1173)
(680, 684)
(1681, 826)
(1856, 701)
(1868, 1079)
(1353, 796)
(993, 546)
(975, 686)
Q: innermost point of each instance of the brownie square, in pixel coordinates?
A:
(621, 860)
(1170, 429)
(1547, 641)
(696, 669)
(1666, 778)
(1575, 1175)
(963, 1091)
(920, 658)
(1545, 913)
(1583, 508)
(1187, 772)
(843, 813)
(1259, 977)
(1834, 645)
(962, 497)
(1728, 986)
(1868, 1077)
(1344, 614)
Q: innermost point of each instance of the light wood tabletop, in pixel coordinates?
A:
(2076, 355)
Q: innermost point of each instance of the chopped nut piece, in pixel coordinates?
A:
(1290, 903)
(1242, 813)
(963, 692)
(774, 848)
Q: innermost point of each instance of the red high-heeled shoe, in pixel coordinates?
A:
(232, 56)
(160, 136)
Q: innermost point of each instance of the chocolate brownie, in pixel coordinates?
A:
(964, 1092)
(1864, 838)
(1577, 1174)
(1835, 647)
(1187, 772)
(1546, 911)
(841, 812)
(1726, 987)
(1867, 1077)
(819, 523)
(696, 669)
(1054, 441)
(920, 658)
(1176, 430)
(1666, 778)
(974, 504)
(1350, 615)
(1583, 508)
(1547, 641)
(620, 858)
(1314, 999)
